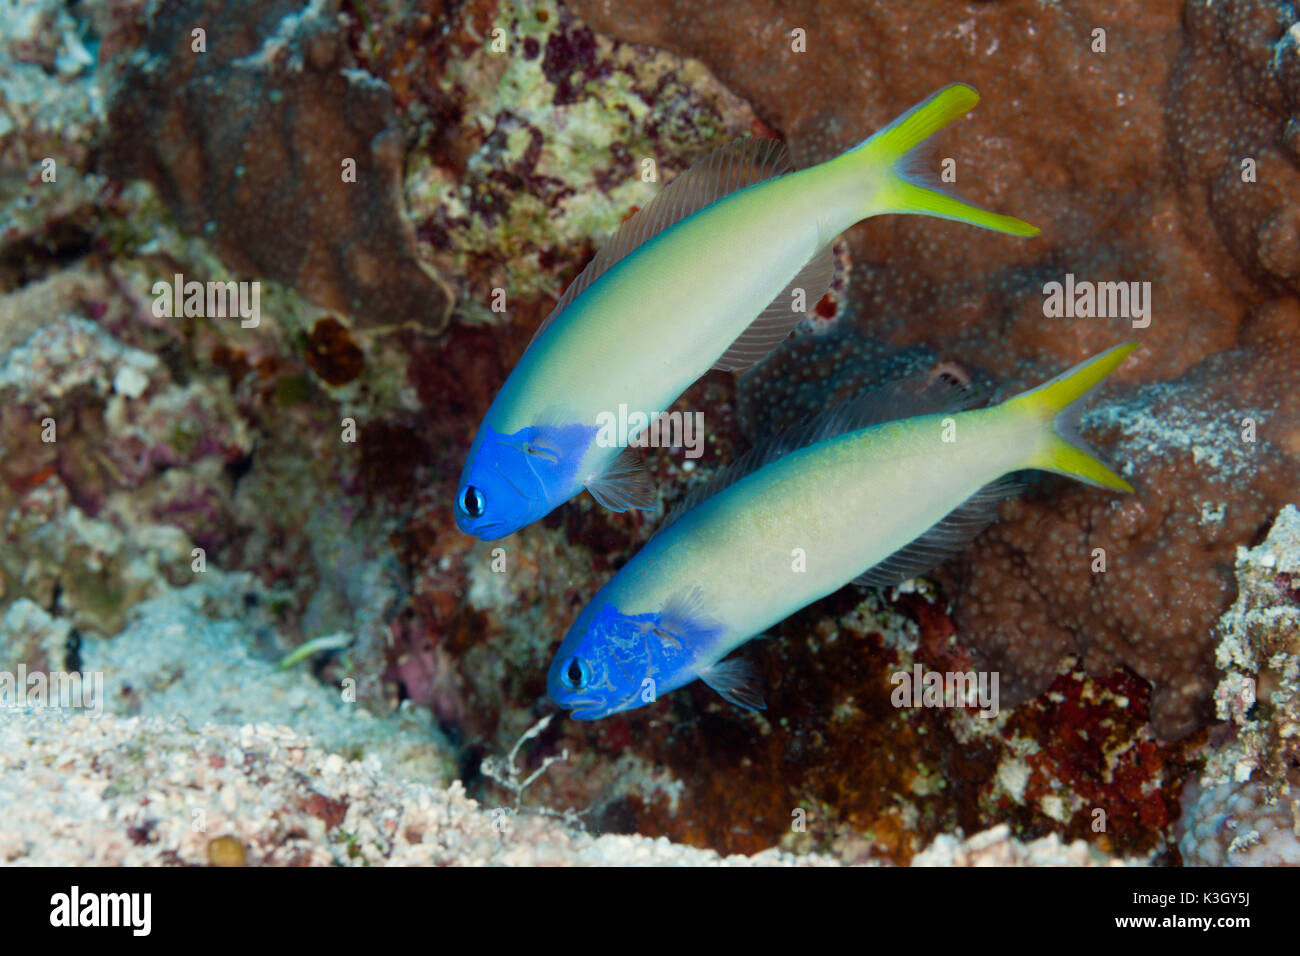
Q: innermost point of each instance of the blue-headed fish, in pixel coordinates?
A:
(705, 276)
(859, 497)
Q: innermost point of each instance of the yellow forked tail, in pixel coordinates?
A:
(1057, 405)
(899, 191)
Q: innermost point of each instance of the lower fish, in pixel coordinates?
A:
(862, 494)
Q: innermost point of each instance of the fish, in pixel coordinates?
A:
(856, 495)
(707, 275)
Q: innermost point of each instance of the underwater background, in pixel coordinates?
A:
(242, 523)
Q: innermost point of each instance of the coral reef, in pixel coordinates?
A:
(875, 781)
(1210, 451)
(219, 498)
(50, 113)
(208, 652)
(137, 791)
(99, 442)
(1239, 824)
(996, 848)
(539, 149)
(1034, 590)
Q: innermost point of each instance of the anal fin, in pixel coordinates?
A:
(773, 324)
(944, 539)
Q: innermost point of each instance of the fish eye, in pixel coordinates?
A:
(576, 673)
(472, 502)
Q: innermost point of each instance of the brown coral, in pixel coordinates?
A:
(247, 142)
(1235, 132)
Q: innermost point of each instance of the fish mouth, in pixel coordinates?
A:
(491, 531)
(585, 708)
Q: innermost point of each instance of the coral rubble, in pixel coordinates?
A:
(1245, 808)
(151, 790)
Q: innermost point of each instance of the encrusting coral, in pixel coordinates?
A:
(249, 141)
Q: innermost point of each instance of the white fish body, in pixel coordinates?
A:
(877, 504)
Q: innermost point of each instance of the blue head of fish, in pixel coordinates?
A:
(611, 662)
(512, 480)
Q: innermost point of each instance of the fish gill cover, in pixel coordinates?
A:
(264, 268)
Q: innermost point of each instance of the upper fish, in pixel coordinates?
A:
(705, 276)
(850, 497)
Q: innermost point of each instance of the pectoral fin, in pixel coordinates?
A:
(685, 619)
(624, 484)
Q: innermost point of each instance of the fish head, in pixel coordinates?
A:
(512, 480)
(611, 662)
(498, 494)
